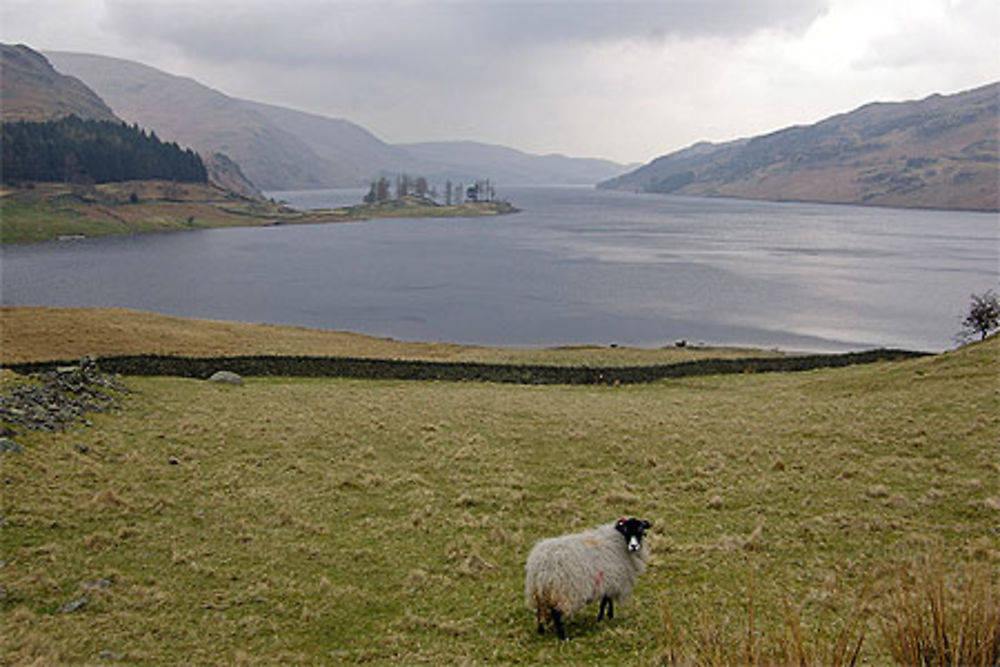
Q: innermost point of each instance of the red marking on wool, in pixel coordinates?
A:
(598, 581)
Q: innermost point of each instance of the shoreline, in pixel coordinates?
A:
(41, 212)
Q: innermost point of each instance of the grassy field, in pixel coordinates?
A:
(48, 211)
(344, 520)
(43, 333)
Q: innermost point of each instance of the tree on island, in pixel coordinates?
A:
(420, 186)
(402, 186)
(406, 186)
(481, 191)
(378, 192)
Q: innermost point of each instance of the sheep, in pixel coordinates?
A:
(564, 574)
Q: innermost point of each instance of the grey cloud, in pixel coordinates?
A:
(355, 34)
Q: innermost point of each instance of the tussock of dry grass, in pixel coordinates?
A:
(342, 520)
(943, 616)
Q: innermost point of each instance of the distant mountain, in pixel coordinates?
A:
(353, 154)
(284, 149)
(939, 152)
(32, 90)
(461, 160)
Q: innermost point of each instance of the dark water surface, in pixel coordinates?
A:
(576, 266)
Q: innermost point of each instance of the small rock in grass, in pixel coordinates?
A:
(75, 605)
(878, 491)
(226, 377)
(8, 445)
(716, 502)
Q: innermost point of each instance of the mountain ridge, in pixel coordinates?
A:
(941, 151)
(33, 90)
(280, 148)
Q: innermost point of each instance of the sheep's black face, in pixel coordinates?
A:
(633, 530)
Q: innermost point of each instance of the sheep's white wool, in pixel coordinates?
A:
(568, 572)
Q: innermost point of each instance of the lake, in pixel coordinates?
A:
(577, 265)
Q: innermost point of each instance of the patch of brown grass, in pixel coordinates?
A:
(29, 333)
(943, 616)
(745, 634)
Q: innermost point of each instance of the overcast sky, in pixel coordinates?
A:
(623, 80)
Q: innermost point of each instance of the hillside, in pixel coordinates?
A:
(32, 90)
(939, 152)
(47, 211)
(350, 154)
(227, 174)
(284, 149)
(183, 110)
(203, 523)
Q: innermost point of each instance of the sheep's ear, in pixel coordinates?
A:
(646, 525)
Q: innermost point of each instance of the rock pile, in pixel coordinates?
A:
(55, 400)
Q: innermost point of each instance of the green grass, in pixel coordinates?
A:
(341, 521)
(32, 222)
(49, 211)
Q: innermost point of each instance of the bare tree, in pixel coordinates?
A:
(420, 186)
(402, 186)
(382, 190)
(983, 316)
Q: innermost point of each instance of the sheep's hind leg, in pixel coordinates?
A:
(541, 624)
(557, 619)
(608, 603)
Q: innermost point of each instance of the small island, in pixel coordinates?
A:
(413, 206)
(415, 199)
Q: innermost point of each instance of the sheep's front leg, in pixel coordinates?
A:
(609, 604)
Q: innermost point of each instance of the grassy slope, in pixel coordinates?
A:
(50, 210)
(43, 333)
(336, 520)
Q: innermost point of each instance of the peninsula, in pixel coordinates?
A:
(48, 211)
